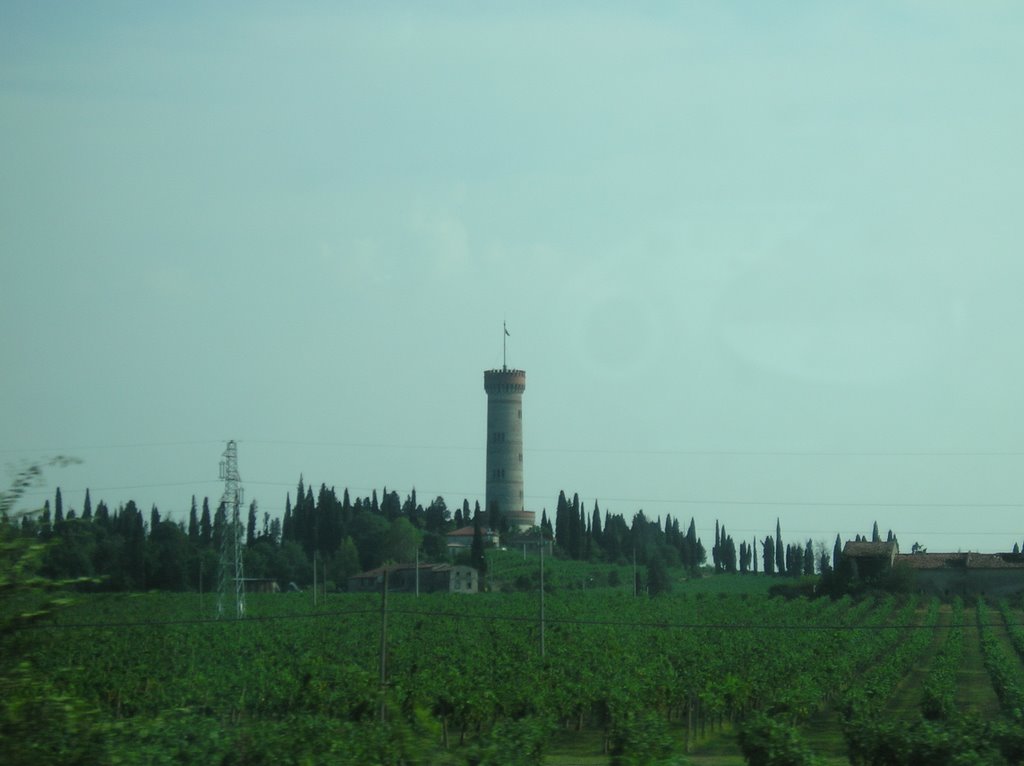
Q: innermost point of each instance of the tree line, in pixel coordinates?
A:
(121, 549)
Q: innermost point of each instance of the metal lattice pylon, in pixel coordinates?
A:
(231, 579)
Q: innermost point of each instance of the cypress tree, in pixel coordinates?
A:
(347, 512)
(780, 552)
(573, 527)
(476, 551)
(312, 537)
(769, 555)
(58, 508)
(562, 522)
(875, 537)
(729, 550)
(220, 524)
(716, 550)
(193, 523)
(87, 506)
(250, 527)
(287, 532)
(837, 553)
(206, 525)
(495, 518)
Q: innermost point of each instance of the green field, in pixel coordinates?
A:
(151, 678)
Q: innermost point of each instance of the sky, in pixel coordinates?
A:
(758, 261)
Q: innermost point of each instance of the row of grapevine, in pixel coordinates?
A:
(464, 673)
(1003, 667)
(939, 690)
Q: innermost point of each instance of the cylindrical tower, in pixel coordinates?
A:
(505, 389)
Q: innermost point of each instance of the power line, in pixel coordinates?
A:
(83, 448)
(557, 450)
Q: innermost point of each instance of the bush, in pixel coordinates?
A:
(641, 739)
(767, 742)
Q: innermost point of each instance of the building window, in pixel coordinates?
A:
(520, 414)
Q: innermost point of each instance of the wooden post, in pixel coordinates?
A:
(384, 647)
(542, 600)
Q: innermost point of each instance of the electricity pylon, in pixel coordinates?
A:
(231, 580)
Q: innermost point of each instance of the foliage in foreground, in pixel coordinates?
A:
(765, 741)
(960, 741)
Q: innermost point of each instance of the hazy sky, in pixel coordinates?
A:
(757, 260)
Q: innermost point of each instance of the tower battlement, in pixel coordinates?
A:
(505, 381)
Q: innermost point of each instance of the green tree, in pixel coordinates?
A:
(780, 552)
(250, 527)
(436, 515)
(402, 541)
(476, 551)
(205, 525)
(369, 532)
(769, 555)
(193, 523)
(345, 562)
(71, 551)
(220, 525)
(168, 554)
(658, 580)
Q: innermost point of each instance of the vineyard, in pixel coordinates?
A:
(151, 679)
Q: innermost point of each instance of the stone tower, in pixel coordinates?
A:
(505, 389)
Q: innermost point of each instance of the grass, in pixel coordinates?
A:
(974, 688)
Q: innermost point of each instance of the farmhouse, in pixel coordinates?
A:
(940, 574)
(261, 585)
(402, 578)
(870, 559)
(463, 538)
(964, 574)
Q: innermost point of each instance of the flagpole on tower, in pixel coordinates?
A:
(504, 346)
